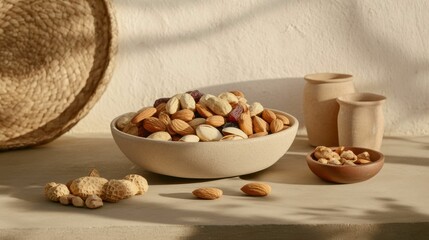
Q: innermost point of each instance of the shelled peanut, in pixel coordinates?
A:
(92, 190)
(340, 156)
(194, 117)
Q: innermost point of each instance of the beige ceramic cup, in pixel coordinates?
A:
(320, 107)
(361, 120)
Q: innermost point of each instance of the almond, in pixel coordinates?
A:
(284, 119)
(146, 113)
(276, 125)
(181, 127)
(164, 118)
(160, 108)
(245, 123)
(259, 124)
(256, 189)
(170, 130)
(215, 120)
(153, 124)
(184, 114)
(259, 134)
(268, 115)
(203, 111)
(207, 193)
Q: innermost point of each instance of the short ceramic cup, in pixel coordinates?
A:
(361, 120)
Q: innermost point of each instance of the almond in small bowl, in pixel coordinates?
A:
(345, 164)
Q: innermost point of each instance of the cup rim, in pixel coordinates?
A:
(328, 77)
(361, 99)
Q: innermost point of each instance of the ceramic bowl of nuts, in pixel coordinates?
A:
(196, 135)
(345, 164)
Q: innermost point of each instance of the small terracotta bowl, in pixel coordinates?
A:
(347, 173)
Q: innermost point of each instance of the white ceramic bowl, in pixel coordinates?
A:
(206, 159)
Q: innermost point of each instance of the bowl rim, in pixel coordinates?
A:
(294, 127)
(309, 157)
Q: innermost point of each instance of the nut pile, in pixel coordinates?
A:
(194, 117)
(92, 190)
(340, 156)
(255, 189)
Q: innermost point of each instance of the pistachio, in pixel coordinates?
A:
(231, 138)
(208, 133)
(230, 97)
(196, 121)
(187, 102)
(219, 106)
(172, 105)
(162, 136)
(234, 131)
(256, 108)
(189, 138)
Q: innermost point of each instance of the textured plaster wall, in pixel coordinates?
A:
(265, 48)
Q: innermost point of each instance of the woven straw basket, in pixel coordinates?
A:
(55, 62)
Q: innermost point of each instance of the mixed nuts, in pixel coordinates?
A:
(197, 117)
(340, 156)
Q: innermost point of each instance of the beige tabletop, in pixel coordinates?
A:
(392, 205)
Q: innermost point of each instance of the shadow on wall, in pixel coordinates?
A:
(284, 94)
(394, 70)
(399, 68)
(227, 22)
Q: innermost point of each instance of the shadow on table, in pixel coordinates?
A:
(205, 224)
(291, 169)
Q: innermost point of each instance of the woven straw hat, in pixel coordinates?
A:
(55, 62)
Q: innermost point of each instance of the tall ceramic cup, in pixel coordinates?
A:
(320, 106)
(361, 120)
